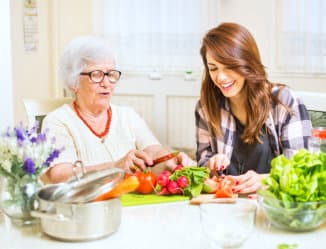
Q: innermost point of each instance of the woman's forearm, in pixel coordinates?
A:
(64, 171)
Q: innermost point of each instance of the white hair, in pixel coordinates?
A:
(79, 53)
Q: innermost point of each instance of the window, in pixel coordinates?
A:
(302, 36)
(156, 35)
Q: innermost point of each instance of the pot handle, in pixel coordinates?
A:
(50, 216)
(78, 164)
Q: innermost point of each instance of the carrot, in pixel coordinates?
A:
(129, 184)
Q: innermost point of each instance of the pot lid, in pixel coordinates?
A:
(87, 187)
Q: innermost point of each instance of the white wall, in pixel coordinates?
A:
(67, 19)
(259, 16)
(172, 114)
(31, 71)
(6, 98)
(35, 74)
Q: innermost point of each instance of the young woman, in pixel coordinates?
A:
(242, 119)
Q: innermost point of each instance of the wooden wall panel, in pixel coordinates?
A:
(181, 121)
(143, 104)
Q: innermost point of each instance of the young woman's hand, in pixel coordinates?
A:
(248, 182)
(218, 162)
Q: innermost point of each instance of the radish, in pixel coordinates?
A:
(166, 172)
(163, 180)
(183, 182)
(164, 191)
(178, 167)
(173, 187)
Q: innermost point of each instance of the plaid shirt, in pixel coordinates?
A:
(287, 132)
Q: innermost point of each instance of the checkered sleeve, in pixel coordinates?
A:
(204, 139)
(294, 128)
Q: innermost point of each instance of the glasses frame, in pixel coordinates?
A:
(89, 74)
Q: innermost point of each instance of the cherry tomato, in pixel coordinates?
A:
(147, 182)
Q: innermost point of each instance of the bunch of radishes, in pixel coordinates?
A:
(187, 181)
(166, 186)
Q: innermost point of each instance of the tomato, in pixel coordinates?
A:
(224, 192)
(147, 182)
(225, 186)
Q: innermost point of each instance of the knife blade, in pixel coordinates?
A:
(164, 158)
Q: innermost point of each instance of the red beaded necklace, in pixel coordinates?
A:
(107, 126)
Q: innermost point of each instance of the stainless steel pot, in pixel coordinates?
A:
(72, 219)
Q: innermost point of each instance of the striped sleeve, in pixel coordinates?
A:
(204, 141)
(294, 128)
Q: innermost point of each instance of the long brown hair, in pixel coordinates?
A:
(233, 46)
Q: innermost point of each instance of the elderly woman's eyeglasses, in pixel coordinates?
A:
(97, 76)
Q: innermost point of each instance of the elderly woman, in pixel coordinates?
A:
(93, 130)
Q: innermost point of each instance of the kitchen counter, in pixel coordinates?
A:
(160, 226)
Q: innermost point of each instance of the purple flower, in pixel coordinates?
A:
(41, 137)
(55, 153)
(29, 166)
(34, 139)
(7, 134)
(34, 128)
(20, 135)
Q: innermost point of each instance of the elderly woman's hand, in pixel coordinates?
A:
(133, 161)
(248, 182)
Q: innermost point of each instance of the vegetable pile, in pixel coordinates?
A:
(188, 181)
(296, 190)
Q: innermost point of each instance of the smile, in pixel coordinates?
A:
(227, 86)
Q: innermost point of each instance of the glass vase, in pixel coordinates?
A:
(17, 200)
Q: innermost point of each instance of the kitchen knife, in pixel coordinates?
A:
(164, 158)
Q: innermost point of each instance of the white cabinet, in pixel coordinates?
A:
(167, 105)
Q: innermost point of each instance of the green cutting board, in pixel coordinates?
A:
(139, 199)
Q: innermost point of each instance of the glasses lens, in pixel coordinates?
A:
(97, 76)
(114, 76)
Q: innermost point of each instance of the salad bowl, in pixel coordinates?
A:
(293, 216)
(295, 193)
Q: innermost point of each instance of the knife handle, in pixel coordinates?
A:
(164, 158)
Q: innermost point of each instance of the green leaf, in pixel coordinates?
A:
(287, 246)
(196, 177)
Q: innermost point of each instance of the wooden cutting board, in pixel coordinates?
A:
(132, 199)
(210, 198)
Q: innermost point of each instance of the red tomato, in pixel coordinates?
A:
(224, 192)
(225, 187)
(147, 182)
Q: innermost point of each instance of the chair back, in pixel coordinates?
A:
(36, 109)
(316, 105)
